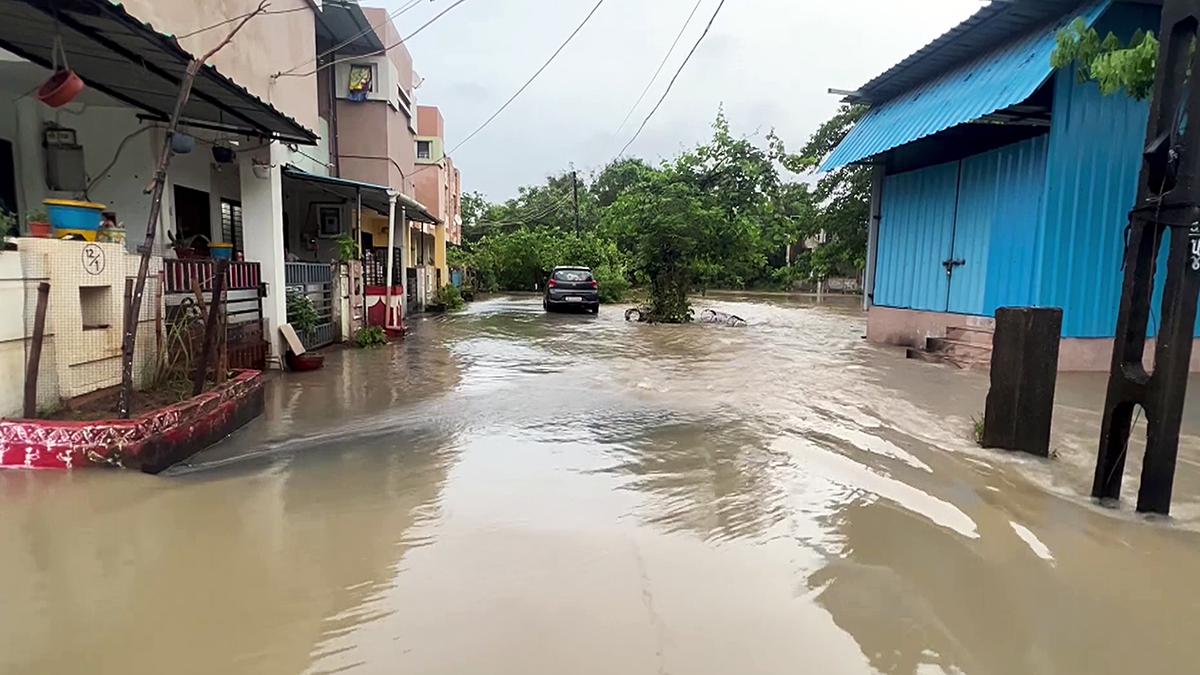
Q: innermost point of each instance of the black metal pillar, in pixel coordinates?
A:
(1167, 209)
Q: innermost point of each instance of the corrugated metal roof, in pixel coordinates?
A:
(375, 197)
(1004, 76)
(992, 25)
(124, 57)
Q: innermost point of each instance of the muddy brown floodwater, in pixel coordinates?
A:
(511, 493)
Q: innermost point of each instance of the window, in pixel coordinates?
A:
(329, 220)
(361, 81)
(424, 149)
(573, 275)
(231, 224)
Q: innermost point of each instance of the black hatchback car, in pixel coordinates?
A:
(572, 287)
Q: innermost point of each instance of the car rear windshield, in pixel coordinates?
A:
(573, 275)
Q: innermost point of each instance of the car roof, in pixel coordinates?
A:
(572, 267)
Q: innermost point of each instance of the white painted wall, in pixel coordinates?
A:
(262, 216)
(101, 131)
(74, 361)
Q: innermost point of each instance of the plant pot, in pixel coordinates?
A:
(62, 88)
(182, 144)
(304, 362)
(223, 155)
(262, 170)
(40, 230)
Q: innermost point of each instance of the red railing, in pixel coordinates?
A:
(178, 275)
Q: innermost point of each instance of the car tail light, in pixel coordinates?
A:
(595, 284)
(552, 283)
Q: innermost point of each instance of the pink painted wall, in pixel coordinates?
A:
(909, 328)
(375, 143)
(268, 44)
(430, 121)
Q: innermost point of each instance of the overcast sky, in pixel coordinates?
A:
(770, 62)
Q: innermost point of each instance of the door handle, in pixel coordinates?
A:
(951, 263)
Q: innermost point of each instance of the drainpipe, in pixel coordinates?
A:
(391, 257)
(877, 171)
(358, 218)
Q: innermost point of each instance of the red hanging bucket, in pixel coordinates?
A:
(62, 88)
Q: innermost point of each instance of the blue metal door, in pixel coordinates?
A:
(915, 237)
(999, 203)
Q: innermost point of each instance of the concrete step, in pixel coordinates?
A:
(970, 334)
(957, 347)
(959, 360)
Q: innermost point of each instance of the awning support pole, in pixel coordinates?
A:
(391, 260)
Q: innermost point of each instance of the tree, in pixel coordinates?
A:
(1114, 66)
(671, 225)
(841, 200)
(616, 178)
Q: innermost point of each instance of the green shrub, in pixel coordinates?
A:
(450, 297)
(300, 312)
(613, 284)
(370, 337)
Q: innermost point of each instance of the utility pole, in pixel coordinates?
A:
(575, 193)
(1167, 204)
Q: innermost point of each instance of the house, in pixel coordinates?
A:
(999, 181)
(275, 158)
(370, 93)
(439, 186)
(238, 129)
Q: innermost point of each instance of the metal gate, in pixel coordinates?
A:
(247, 345)
(315, 280)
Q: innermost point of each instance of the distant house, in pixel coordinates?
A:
(998, 181)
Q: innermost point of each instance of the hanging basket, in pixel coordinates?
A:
(182, 144)
(62, 88)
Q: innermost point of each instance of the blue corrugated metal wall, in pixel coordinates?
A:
(1091, 183)
(914, 238)
(1092, 178)
(1021, 177)
(998, 208)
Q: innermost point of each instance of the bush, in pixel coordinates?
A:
(370, 337)
(450, 297)
(613, 284)
(300, 312)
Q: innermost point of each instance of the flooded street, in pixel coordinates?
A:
(512, 493)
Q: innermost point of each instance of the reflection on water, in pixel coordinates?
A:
(511, 492)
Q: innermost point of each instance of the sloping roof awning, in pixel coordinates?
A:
(374, 197)
(1003, 77)
(116, 53)
(992, 25)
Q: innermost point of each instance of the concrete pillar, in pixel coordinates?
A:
(439, 255)
(262, 221)
(388, 322)
(404, 261)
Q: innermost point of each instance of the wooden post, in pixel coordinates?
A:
(210, 327)
(222, 339)
(35, 350)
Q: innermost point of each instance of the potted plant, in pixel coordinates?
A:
(38, 223)
(347, 250)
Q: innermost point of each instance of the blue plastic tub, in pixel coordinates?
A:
(68, 216)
